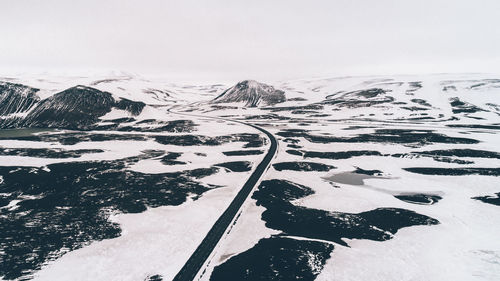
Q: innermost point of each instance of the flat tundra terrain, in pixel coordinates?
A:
(349, 178)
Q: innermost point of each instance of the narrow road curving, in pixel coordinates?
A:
(194, 264)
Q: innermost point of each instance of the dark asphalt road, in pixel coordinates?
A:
(201, 254)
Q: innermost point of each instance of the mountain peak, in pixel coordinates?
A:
(252, 93)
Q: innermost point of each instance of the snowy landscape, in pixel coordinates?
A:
(124, 177)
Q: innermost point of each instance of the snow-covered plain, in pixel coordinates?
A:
(462, 246)
(358, 125)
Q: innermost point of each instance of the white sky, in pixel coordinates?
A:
(236, 39)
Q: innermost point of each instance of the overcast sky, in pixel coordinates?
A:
(261, 39)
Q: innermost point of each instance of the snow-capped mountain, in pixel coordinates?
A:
(252, 94)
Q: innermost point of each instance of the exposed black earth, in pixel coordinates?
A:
(236, 166)
(474, 126)
(47, 153)
(252, 140)
(452, 155)
(276, 258)
(302, 166)
(170, 159)
(454, 171)
(334, 155)
(176, 126)
(490, 199)
(293, 108)
(463, 107)
(78, 137)
(66, 205)
(294, 152)
(282, 258)
(243, 152)
(379, 224)
(421, 102)
(368, 172)
(361, 98)
(156, 277)
(413, 138)
(71, 138)
(475, 153)
(419, 198)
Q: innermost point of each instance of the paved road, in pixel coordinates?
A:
(201, 254)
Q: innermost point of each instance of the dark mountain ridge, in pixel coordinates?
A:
(16, 98)
(78, 107)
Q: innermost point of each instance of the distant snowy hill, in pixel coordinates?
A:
(252, 94)
(57, 102)
(464, 98)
